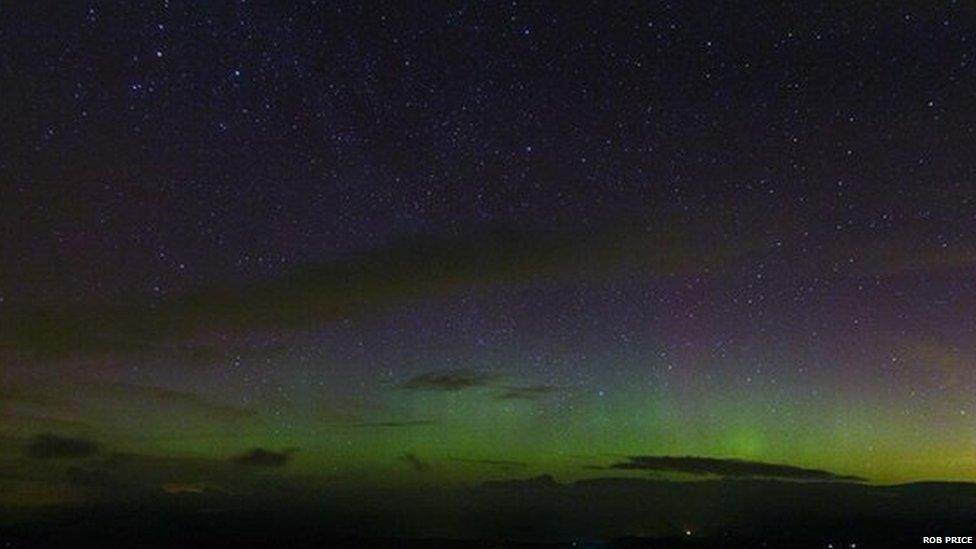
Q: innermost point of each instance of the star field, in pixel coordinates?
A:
(380, 244)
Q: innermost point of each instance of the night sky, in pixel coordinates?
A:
(436, 244)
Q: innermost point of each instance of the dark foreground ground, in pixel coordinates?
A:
(534, 513)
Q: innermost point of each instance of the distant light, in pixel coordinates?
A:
(687, 532)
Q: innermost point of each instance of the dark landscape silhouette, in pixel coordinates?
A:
(621, 512)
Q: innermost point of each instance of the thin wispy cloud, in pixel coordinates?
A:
(449, 380)
(530, 392)
(491, 462)
(394, 424)
(414, 462)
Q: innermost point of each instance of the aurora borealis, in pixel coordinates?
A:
(316, 246)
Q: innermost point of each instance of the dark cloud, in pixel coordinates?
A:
(133, 475)
(50, 446)
(492, 462)
(53, 397)
(37, 422)
(410, 268)
(33, 394)
(260, 457)
(726, 468)
(192, 402)
(449, 380)
(415, 462)
(394, 424)
(531, 392)
(238, 474)
(406, 269)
